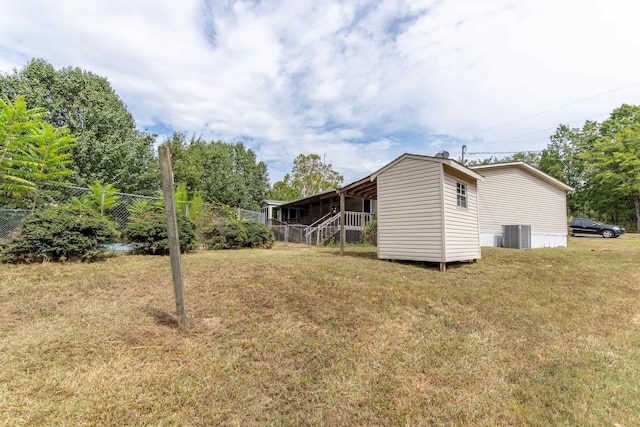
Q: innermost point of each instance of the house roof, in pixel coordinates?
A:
(367, 187)
(273, 202)
(529, 169)
(313, 198)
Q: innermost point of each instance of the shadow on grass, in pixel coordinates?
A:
(357, 254)
(163, 318)
(418, 264)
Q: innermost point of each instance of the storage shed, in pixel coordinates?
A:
(427, 210)
(518, 193)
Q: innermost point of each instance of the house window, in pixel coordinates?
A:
(462, 194)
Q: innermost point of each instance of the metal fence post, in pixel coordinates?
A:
(102, 203)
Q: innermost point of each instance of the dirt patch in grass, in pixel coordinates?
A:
(302, 336)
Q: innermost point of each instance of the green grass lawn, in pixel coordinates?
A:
(302, 336)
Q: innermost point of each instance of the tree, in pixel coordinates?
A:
(309, 175)
(222, 172)
(16, 123)
(529, 157)
(109, 147)
(487, 161)
(613, 164)
(100, 198)
(31, 152)
(600, 160)
(282, 191)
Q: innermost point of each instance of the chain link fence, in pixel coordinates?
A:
(114, 205)
(10, 220)
(289, 233)
(251, 215)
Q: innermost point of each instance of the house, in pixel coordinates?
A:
(427, 210)
(517, 193)
(318, 216)
(269, 211)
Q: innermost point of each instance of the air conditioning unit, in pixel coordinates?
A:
(516, 236)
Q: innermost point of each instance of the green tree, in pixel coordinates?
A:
(282, 191)
(109, 147)
(613, 165)
(221, 172)
(600, 161)
(100, 198)
(31, 152)
(309, 175)
(16, 124)
(530, 157)
(481, 162)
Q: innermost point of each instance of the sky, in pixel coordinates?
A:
(357, 82)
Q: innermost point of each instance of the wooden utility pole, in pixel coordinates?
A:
(172, 232)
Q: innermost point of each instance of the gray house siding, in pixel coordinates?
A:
(511, 195)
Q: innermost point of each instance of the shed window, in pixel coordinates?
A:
(462, 194)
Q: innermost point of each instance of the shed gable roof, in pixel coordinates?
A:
(449, 162)
(367, 187)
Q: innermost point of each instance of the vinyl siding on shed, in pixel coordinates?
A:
(410, 212)
(513, 196)
(461, 224)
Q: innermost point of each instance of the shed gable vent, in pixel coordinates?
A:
(516, 236)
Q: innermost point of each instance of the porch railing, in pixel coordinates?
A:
(357, 220)
(309, 228)
(323, 229)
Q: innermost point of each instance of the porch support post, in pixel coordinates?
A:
(343, 234)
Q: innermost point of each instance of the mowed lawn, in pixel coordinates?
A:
(302, 336)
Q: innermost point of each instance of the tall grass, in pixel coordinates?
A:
(302, 336)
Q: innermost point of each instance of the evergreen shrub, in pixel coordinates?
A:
(148, 233)
(59, 234)
(236, 234)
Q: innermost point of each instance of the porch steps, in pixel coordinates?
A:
(326, 227)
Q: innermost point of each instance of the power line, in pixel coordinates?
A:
(548, 129)
(464, 151)
(506, 152)
(558, 108)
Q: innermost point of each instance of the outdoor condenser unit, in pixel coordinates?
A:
(516, 236)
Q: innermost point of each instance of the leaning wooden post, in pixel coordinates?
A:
(172, 232)
(343, 233)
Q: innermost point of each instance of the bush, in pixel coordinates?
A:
(149, 233)
(260, 236)
(370, 234)
(59, 234)
(235, 234)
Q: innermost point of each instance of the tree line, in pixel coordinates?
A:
(77, 119)
(600, 160)
(94, 135)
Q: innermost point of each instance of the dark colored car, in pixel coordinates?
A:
(589, 226)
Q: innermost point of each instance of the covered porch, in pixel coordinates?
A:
(323, 214)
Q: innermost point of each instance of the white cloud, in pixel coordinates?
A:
(361, 81)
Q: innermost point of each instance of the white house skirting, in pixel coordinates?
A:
(537, 240)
